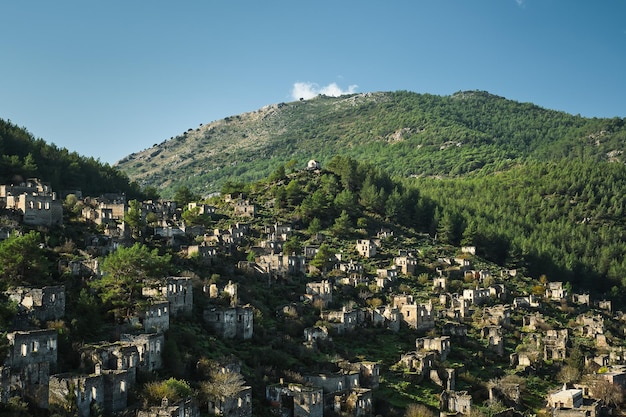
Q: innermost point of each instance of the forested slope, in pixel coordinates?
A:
(23, 157)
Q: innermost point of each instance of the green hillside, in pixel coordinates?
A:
(405, 133)
(23, 157)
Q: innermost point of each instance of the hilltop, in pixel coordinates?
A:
(407, 134)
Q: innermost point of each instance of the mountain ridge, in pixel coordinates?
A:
(405, 133)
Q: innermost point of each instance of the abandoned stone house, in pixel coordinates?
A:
(149, 348)
(231, 322)
(455, 402)
(35, 201)
(26, 371)
(464, 263)
(295, 400)
(533, 321)
(477, 296)
(418, 362)
(278, 231)
(44, 304)
(314, 334)
(238, 231)
(526, 301)
(187, 407)
(590, 326)
(471, 250)
(230, 289)
(343, 321)
(555, 344)
(156, 317)
(117, 356)
(555, 291)
(386, 317)
(406, 264)
(500, 314)
(522, 359)
(309, 251)
(32, 346)
(416, 316)
(342, 392)
(605, 305)
(356, 403)
(319, 292)
(171, 232)
(581, 299)
(164, 209)
(313, 165)
(440, 283)
(351, 268)
(203, 209)
(85, 268)
(107, 389)
(178, 291)
(202, 251)
(366, 248)
(441, 345)
(566, 398)
(243, 208)
(282, 265)
(497, 292)
(495, 338)
(107, 209)
(455, 307)
(455, 329)
(386, 276)
(369, 372)
(237, 405)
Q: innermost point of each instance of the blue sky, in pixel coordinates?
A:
(109, 78)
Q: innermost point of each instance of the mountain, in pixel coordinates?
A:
(405, 133)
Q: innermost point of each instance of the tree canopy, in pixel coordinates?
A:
(124, 274)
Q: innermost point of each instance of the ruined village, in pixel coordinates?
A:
(495, 318)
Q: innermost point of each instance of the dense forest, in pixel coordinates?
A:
(23, 156)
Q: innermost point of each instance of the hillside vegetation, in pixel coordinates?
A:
(330, 209)
(23, 156)
(405, 133)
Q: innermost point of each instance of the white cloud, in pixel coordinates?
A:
(307, 90)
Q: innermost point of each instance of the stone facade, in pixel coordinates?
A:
(149, 348)
(86, 390)
(177, 290)
(243, 208)
(232, 322)
(366, 248)
(416, 316)
(44, 304)
(118, 356)
(156, 317)
(238, 405)
(35, 201)
(456, 402)
(322, 291)
(440, 345)
(296, 400)
(26, 370)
